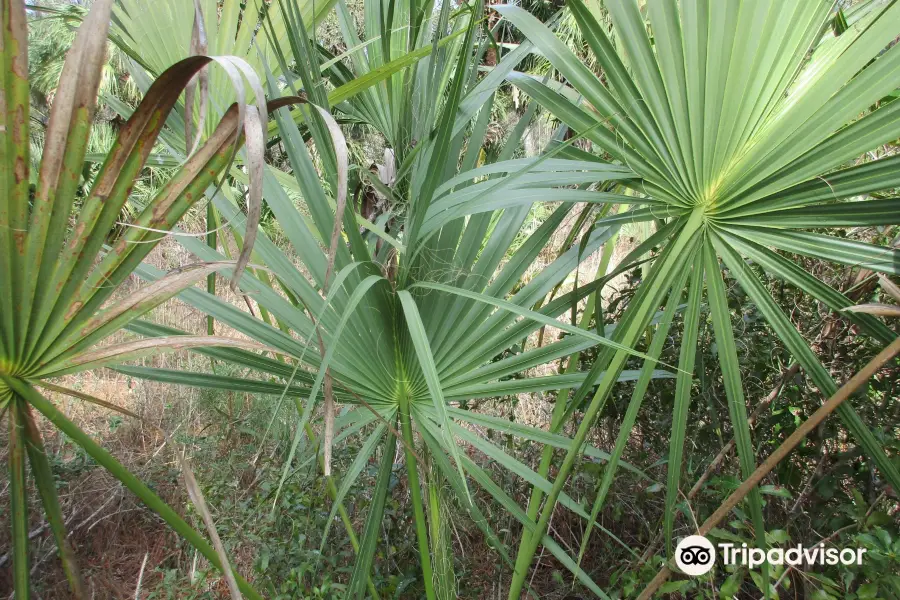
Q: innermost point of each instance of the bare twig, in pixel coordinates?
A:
(763, 405)
(808, 486)
(137, 590)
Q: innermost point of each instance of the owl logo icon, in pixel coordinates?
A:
(695, 555)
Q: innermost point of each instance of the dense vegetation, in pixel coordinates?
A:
(403, 300)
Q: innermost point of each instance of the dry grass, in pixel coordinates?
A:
(110, 529)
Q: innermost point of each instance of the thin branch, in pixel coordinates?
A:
(781, 452)
(726, 449)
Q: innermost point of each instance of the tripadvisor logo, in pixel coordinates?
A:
(695, 555)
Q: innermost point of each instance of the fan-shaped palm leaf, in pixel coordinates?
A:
(57, 278)
(158, 34)
(740, 119)
(415, 323)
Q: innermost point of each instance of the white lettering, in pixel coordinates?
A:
(793, 556)
(726, 554)
(757, 557)
(732, 555)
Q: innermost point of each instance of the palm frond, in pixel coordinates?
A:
(744, 117)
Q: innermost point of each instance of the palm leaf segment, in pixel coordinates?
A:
(416, 322)
(58, 278)
(158, 35)
(397, 37)
(740, 119)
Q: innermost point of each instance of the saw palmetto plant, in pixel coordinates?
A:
(58, 278)
(393, 333)
(263, 34)
(159, 34)
(394, 107)
(51, 33)
(52, 27)
(743, 123)
(734, 128)
(267, 36)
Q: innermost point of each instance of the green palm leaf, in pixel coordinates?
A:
(411, 334)
(743, 115)
(56, 274)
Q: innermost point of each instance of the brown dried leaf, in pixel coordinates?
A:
(199, 47)
(190, 482)
(256, 147)
(118, 353)
(876, 308)
(343, 160)
(342, 155)
(891, 288)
